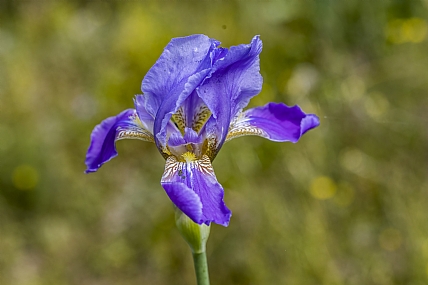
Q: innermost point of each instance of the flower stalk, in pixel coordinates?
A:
(201, 268)
(196, 237)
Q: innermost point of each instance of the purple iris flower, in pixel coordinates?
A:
(193, 103)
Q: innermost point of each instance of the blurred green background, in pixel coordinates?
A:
(346, 205)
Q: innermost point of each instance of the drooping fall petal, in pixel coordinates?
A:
(102, 148)
(194, 189)
(274, 121)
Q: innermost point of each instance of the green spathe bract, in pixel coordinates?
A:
(195, 235)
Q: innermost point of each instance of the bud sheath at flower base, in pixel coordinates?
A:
(195, 235)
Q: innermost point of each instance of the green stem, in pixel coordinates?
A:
(201, 268)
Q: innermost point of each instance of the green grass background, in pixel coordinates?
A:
(345, 205)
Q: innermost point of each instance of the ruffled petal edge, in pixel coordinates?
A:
(274, 121)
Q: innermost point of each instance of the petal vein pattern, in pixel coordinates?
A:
(195, 183)
(138, 131)
(173, 166)
(240, 127)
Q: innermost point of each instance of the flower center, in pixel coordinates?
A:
(189, 156)
(190, 143)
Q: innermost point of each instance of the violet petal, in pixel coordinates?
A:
(182, 66)
(102, 148)
(206, 204)
(235, 80)
(274, 121)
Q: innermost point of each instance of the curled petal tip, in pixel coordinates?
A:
(310, 122)
(274, 121)
(102, 148)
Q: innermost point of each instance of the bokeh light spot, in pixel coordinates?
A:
(412, 30)
(323, 188)
(25, 177)
(351, 159)
(303, 80)
(376, 105)
(345, 195)
(390, 239)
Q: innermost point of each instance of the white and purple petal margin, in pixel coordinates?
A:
(126, 125)
(274, 121)
(194, 189)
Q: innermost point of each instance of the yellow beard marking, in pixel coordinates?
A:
(189, 156)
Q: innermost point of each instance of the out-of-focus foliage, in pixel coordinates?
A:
(346, 205)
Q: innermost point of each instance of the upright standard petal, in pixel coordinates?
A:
(276, 122)
(182, 66)
(102, 148)
(181, 58)
(194, 189)
(235, 80)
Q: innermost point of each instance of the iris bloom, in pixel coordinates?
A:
(193, 103)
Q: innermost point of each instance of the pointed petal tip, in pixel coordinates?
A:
(87, 171)
(257, 42)
(91, 167)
